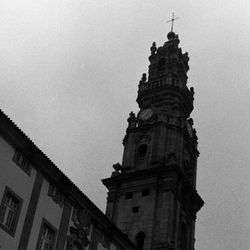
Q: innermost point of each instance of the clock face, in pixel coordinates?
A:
(145, 114)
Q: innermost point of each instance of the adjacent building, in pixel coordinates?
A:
(41, 209)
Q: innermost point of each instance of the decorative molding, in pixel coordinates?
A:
(64, 224)
(29, 218)
(56, 194)
(82, 219)
(99, 236)
(22, 162)
(77, 236)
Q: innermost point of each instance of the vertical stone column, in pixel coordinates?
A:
(158, 145)
(165, 228)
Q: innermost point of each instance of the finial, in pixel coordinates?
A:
(153, 48)
(131, 120)
(172, 22)
(143, 78)
(192, 91)
(132, 115)
(191, 121)
(117, 166)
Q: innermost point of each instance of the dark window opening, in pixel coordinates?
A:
(142, 152)
(143, 149)
(140, 237)
(145, 192)
(135, 209)
(183, 237)
(22, 161)
(128, 195)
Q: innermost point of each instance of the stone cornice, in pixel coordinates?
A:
(172, 174)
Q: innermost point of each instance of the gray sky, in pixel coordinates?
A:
(69, 74)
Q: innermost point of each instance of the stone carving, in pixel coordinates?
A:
(192, 91)
(131, 120)
(191, 122)
(142, 83)
(99, 237)
(118, 168)
(144, 78)
(82, 218)
(78, 234)
(153, 48)
(125, 139)
(78, 238)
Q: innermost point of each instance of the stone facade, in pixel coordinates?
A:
(152, 195)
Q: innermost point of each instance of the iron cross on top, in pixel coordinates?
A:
(172, 20)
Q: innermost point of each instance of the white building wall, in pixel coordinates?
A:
(20, 183)
(48, 209)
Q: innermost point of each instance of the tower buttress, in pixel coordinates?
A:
(152, 195)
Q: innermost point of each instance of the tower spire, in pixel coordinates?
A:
(172, 21)
(152, 195)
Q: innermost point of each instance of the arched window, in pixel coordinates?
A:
(140, 237)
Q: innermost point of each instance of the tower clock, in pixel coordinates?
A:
(152, 196)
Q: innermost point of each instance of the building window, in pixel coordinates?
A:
(142, 152)
(135, 210)
(140, 237)
(145, 192)
(22, 161)
(46, 237)
(10, 211)
(78, 239)
(129, 195)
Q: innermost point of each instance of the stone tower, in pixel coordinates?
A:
(152, 195)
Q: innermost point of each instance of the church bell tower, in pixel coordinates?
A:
(152, 195)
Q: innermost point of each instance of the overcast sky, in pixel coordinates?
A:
(69, 71)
